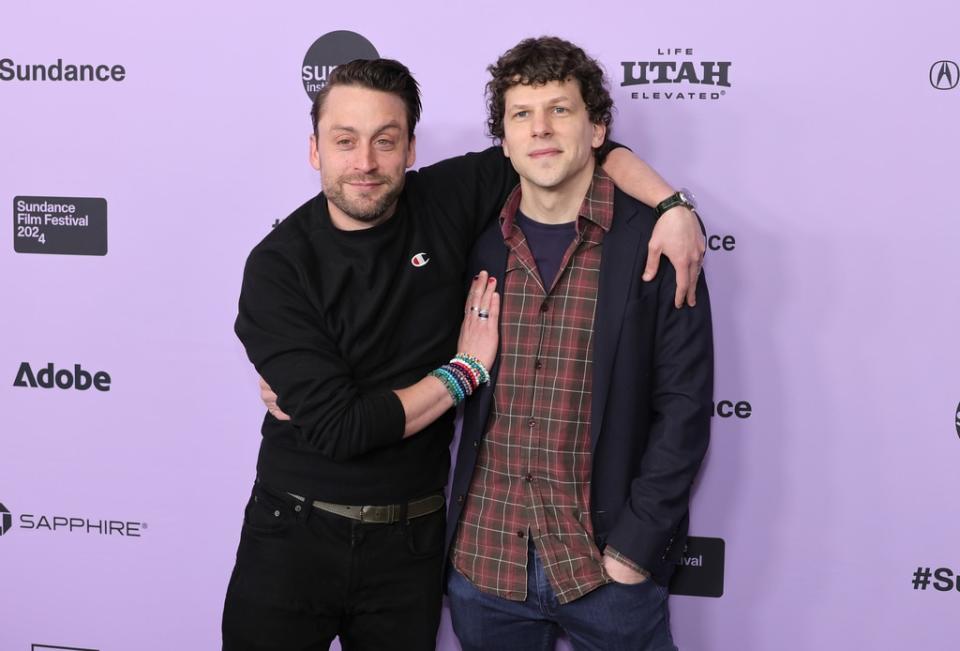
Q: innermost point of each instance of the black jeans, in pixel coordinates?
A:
(303, 577)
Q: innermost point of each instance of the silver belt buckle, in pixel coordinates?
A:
(368, 511)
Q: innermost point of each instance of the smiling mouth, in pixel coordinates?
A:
(544, 153)
(364, 185)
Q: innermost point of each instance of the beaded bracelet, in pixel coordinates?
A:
(450, 382)
(466, 368)
(461, 376)
(475, 364)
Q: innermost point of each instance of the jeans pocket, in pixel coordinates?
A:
(266, 513)
(648, 589)
(424, 535)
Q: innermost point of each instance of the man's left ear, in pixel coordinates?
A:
(599, 134)
(412, 152)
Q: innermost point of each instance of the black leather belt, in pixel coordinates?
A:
(380, 514)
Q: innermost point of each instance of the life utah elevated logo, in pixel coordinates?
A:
(677, 73)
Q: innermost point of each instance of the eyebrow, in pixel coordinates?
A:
(552, 100)
(393, 124)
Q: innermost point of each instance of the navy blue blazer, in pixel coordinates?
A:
(651, 403)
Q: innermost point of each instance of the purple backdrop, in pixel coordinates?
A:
(828, 161)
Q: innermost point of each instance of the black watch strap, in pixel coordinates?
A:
(674, 200)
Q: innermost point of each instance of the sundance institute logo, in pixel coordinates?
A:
(944, 75)
(328, 52)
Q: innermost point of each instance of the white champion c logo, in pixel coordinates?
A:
(419, 259)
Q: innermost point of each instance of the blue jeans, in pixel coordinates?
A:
(614, 616)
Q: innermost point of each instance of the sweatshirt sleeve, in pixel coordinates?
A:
(286, 341)
(468, 190)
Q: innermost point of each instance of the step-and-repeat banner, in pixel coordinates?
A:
(146, 149)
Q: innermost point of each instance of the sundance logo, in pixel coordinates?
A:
(60, 71)
(700, 570)
(328, 52)
(731, 409)
(48, 377)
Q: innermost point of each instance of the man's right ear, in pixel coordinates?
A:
(314, 154)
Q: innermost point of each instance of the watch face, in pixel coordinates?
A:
(688, 197)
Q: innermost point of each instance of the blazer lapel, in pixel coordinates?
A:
(491, 256)
(623, 245)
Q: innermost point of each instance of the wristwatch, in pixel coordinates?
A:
(681, 198)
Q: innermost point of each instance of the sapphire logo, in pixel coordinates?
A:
(70, 524)
(5, 520)
(944, 75)
(419, 260)
(328, 52)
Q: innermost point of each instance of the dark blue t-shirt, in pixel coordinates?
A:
(548, 243)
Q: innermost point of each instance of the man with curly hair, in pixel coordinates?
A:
(569, 504)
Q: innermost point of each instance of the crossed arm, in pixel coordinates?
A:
(677, 235)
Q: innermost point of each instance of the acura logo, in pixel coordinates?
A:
(944, 75)
(958, 420)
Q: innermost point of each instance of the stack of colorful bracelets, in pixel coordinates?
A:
(462, 376)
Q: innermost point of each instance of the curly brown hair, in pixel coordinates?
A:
(538, 61)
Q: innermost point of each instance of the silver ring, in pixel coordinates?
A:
(483, 314)
(474, 308)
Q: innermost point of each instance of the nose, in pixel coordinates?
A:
(365, 159)
(540, 124)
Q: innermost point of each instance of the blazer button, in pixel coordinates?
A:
(476, 444)
(459, 499)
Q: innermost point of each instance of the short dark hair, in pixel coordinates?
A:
(537, 61)
(387, 75)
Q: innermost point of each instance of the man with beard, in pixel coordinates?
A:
(349, 309)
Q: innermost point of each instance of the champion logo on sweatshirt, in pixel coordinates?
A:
(419, 260)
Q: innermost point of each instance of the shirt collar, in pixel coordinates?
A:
(597, 205)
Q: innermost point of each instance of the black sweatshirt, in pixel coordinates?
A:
(334, 320)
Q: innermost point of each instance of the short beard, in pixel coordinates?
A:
(366, 213)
